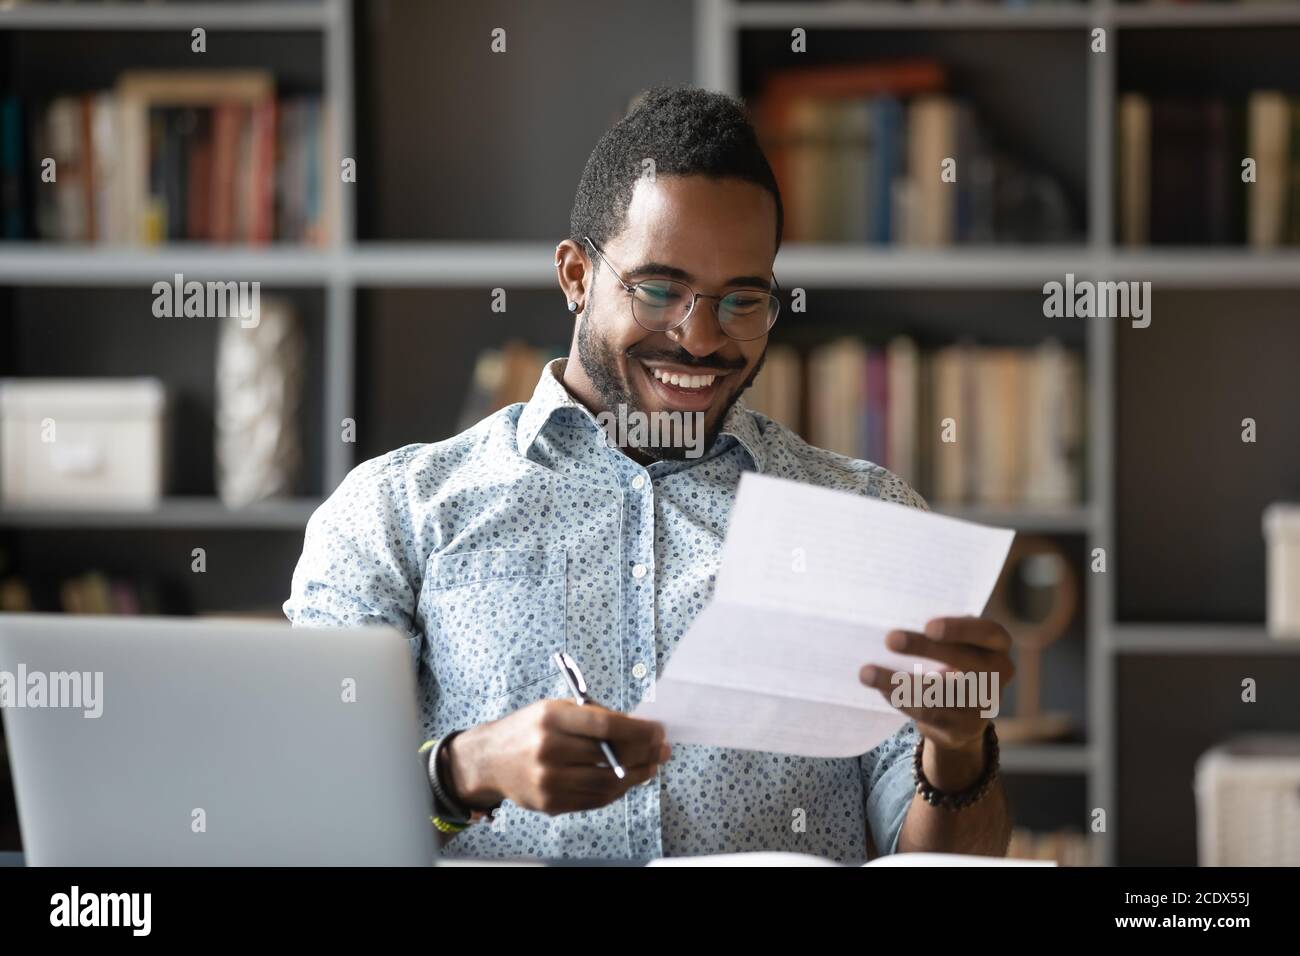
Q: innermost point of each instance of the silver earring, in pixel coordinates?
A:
(573, 306)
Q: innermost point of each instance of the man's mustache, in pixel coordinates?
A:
(687, 359)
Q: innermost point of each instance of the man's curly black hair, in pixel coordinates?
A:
(686, 132)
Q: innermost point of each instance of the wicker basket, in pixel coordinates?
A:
(1248, 802)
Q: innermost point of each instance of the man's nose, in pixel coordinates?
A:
(701, 334)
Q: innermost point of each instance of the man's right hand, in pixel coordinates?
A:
(544, 757)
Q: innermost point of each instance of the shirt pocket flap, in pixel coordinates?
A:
(469, 567)
(494, 619)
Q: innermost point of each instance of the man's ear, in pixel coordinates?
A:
(571, 271)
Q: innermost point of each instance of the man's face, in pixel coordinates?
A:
(715, 235)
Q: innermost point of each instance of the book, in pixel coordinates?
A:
(61, 205)
(857, 150)
(166, 156)
(198, 196)
(1224, 189)
(141, 91)
(848, 149)
(1053, 426)
(1293, 212)
(13, 198)
(103, 168)
(1179, 170)
(1269, 124)
(903, 410)
(837, 393)
(998, 439)
(806, 160)
(260, 192)
(776, 392)
(226, 120)
(888, 162)
(875, 444)
(953, 461)
(15, 596)
(1134, 184)
(819, 127)
(932, 138)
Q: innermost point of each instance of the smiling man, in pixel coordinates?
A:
(534, 532)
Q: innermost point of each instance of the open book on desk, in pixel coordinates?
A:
(811, 580)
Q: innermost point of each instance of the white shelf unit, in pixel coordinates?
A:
(1211, 639)
(528, 265)
(245, 17)
(177, 512)
(1047, 759)
(347, 265)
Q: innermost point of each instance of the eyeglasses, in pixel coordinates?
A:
(661, 305)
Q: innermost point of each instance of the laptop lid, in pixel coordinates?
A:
(182, 741)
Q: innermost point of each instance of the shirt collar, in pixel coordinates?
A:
(550, 398)
(741, 425)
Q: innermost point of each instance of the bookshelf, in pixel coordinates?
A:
(176, 512)
(241, 16)
(1197, 639)
(722, 23)
(375, 275)
(456, 265)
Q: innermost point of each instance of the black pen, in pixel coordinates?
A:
(578, 687)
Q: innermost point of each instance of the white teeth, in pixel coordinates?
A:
(683, 381)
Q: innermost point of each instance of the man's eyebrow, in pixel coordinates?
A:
(672, 272)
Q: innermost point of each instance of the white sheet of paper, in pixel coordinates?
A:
(810, 582)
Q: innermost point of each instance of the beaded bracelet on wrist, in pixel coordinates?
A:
(961, 799)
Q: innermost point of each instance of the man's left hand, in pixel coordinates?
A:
(954, 735)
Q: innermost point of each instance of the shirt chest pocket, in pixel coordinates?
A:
(493, 619)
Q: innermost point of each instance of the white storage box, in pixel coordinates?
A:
(1248, 802)
(1282, 539)
(82, 443)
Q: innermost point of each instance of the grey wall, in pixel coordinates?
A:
(1189, 493)
(458, 142)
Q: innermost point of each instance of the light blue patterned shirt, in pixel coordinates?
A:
(531, 533)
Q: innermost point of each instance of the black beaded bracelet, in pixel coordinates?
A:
(449, 815)
(449, 809)
(964, 798)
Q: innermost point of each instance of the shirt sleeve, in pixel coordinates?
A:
(356, 567)
(887, 783)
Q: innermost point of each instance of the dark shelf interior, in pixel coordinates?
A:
(1170, 711)
(43, 63)
(443, 139)
(1189, 493)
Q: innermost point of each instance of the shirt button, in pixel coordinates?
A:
(639, 571)
(639, 670)
(638, 482)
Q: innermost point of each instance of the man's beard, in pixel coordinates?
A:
(600, 362)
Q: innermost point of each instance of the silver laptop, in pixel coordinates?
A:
(170, 741)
